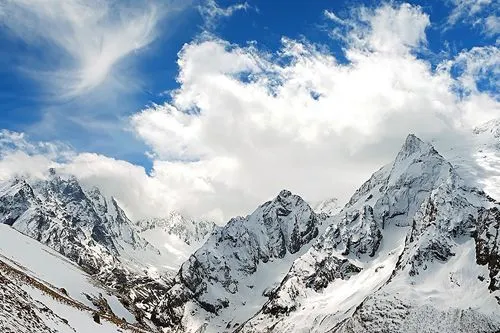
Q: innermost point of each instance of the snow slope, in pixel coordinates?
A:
(33, 276)
(329, 206)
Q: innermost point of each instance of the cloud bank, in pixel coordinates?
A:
(243, 123)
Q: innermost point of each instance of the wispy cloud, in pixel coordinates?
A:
(212, 12)
(332, 16)
(483, 14)
(82, 40)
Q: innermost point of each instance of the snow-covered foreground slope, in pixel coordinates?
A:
(415, 249)
(41, 291)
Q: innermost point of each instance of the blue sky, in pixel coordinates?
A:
(85, 75)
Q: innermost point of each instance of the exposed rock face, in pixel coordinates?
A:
(487, 237)
(67, 225)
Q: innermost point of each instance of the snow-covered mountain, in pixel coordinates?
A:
(175, 236)
(416, 248)
(229, 276)
(188, 230)
(94, 232)
(329, 206)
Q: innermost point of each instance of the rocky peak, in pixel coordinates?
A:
(214, 274)
(16, 196)
(416, 170)
(414, 150)
(413, 144)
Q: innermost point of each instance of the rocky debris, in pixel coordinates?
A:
(386, 313)
(21, 313)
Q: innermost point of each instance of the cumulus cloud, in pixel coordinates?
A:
(22, 157)
(82, 40)
(243, 124)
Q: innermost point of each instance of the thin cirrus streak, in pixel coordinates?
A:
(82, 40)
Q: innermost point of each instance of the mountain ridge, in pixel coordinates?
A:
(415, 243)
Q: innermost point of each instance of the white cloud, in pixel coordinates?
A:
(212, 12)
(381, 29)
(466, 9)
(14, 141)
(394, 28)
(301, 120)
(492, 25)
(478, 13)
(333, 17)
(82, 41)
(475, 65)
(244, 124)
(21, 157)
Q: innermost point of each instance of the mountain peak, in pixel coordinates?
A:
(285, 193)
(414, 148)
(328, 206)
(414, 144)
(286, 199)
